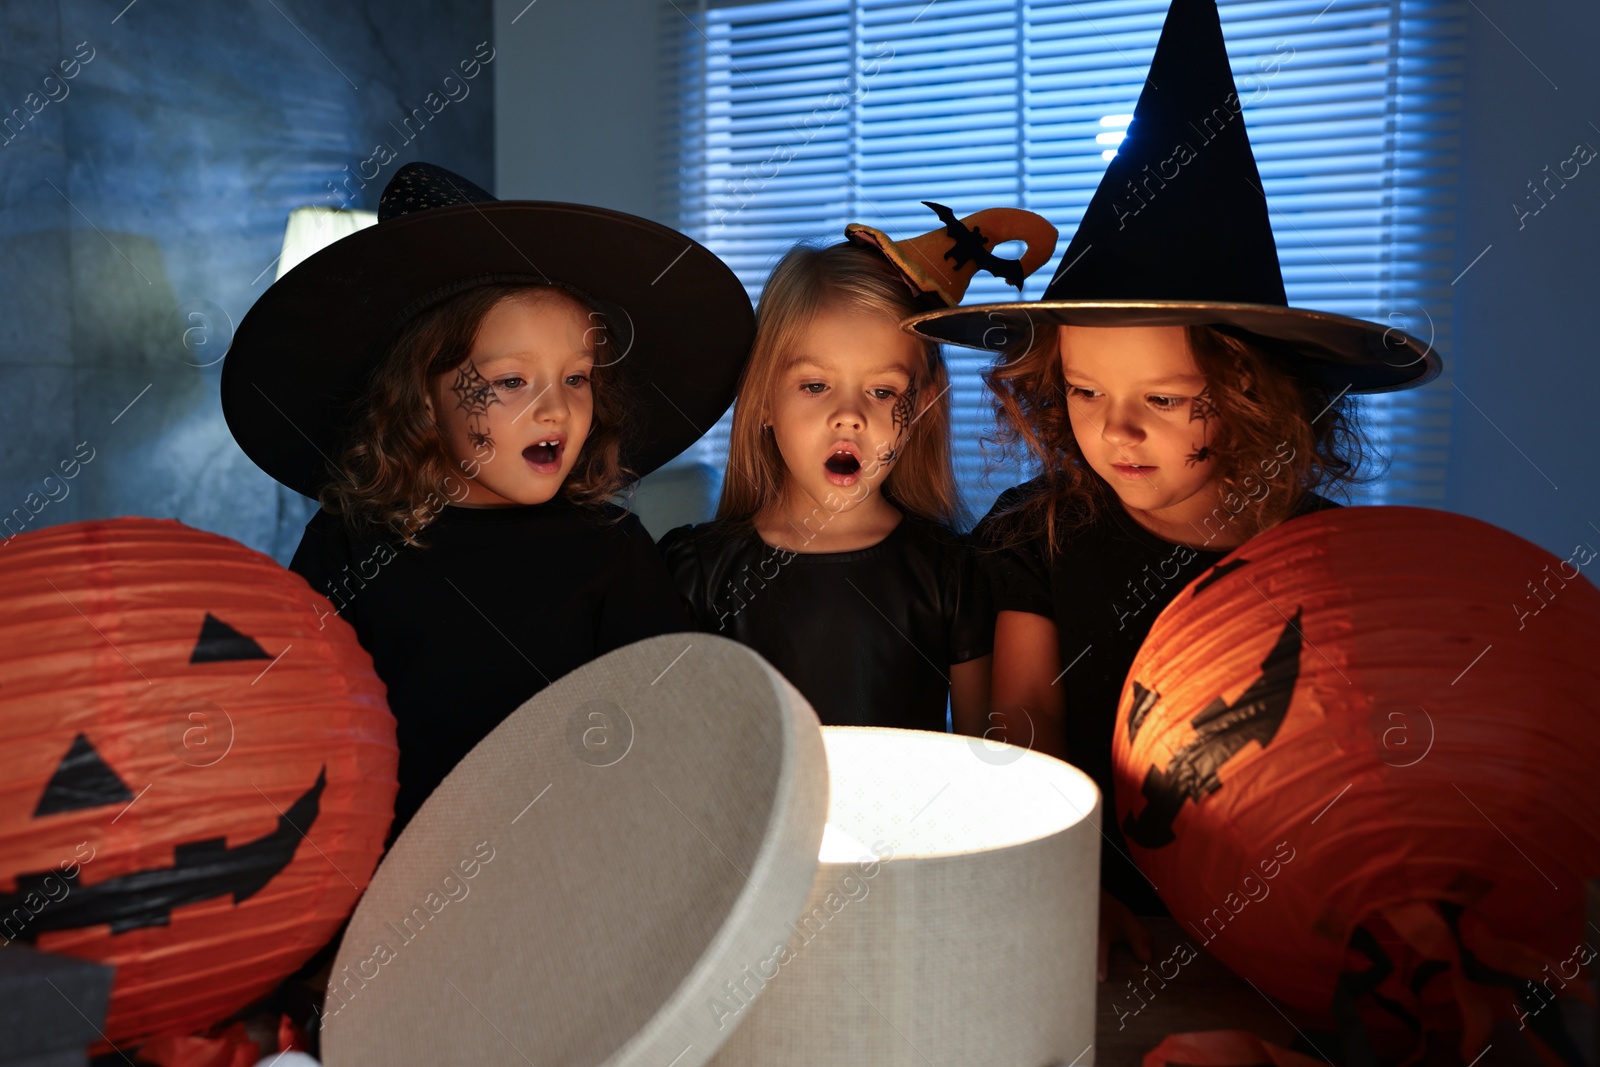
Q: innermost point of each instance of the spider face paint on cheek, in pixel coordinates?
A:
(474, 395)
(902, 416)
(1203, 410)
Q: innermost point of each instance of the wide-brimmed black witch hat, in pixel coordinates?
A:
(1178, 234)
(680, 322)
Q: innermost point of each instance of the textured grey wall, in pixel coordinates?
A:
(149, 156)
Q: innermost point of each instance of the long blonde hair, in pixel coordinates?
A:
(806, 282)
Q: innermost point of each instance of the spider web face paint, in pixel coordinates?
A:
(1201, 409)
(473, 390)
(902, 416)
(474, 395)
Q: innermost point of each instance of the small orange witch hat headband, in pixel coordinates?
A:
(941, 263)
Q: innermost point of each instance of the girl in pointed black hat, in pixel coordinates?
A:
(1175, 405)
(464, 387)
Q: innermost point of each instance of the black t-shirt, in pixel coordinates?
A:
(867, 636)
(1103, 589)
(501, 602)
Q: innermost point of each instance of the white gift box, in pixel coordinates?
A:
(662, 860)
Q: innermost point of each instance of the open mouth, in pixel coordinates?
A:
(843, 467)
(843, 463)
(544, 456)
(1133, 470)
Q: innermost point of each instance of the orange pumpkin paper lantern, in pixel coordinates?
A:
(1358, 759)
(199, 770)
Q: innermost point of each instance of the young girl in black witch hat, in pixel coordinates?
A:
(1176, 407)
(462, 417)
(833, 553)
(1167, 447)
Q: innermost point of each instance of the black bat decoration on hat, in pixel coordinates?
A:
(970, 247)
(1220, 731)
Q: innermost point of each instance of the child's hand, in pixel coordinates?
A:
(1118, 924)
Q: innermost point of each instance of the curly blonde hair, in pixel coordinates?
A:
(806, 282)
(1263, 403)
(395, 461)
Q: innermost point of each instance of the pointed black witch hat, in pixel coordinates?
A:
(1177, 234)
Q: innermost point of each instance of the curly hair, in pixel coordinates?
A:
(395, 461)
(806, 282)
(1264, 404)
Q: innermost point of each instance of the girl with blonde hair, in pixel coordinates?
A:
(834, 551)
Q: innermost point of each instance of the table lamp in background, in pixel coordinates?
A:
(311, 229)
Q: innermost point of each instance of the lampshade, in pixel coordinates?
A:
(626, 871)
(311, 229)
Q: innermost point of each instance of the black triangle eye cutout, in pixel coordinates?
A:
(220, 642)
(82, 780)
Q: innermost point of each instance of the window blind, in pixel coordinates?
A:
(795, 117)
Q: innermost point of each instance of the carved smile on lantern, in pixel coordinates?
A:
(1220, 731)
(200, 870)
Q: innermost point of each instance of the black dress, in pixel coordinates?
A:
(1103, 589)
(867, 636)
(501, 603)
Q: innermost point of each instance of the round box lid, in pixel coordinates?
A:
(591, 875)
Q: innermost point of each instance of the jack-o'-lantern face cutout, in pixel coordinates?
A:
(1357, 758)
(1221, 729)
(200, 870)
(202, 766)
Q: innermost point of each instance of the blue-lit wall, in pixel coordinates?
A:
(144, 186)
(1526, 438)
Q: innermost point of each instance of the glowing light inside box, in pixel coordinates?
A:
(931, 794)
(840, 847)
